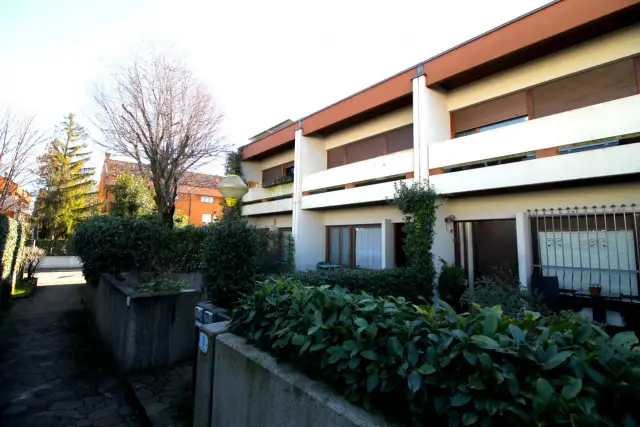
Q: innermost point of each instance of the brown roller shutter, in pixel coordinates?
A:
(336, 157)
(366, 149)
(271, 174)
(602, 84)
(400, 139)
(494, 111)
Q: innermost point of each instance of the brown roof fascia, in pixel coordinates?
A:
(268, 143)
(545, 23)
(389, 90)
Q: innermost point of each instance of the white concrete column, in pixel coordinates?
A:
(309, 234)
(388, 245)
(468, 231)
(525, 249)
(443, 244)
(431, 123)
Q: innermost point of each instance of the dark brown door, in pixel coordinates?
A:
(495, 245)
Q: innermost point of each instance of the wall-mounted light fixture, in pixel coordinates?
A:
(449, 220)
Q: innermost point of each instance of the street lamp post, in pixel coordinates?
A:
(232, 189)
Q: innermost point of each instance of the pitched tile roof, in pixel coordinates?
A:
(190, 179)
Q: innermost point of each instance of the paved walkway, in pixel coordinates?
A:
(53, 368)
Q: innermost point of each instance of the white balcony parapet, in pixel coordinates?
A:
(259, 193)
(367, 194)
(598, 163)
(265, 208)
(377, 168)
(596, 122)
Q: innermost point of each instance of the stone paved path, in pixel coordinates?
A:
(53, 368)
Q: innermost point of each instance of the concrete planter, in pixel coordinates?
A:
(251, 389)
(144, 330)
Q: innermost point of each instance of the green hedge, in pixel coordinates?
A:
(12, 245)
(424, 366)
(109, 244)
(234, 254)
(9, 239)
(399, 282)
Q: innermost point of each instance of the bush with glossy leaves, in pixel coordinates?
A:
(425, 366)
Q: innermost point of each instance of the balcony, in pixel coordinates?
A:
(261, 193)
(372, 193)
(601, 122)
(378, 168)
(269, 207)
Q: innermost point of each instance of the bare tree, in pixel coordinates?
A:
(19, 139)
(158, 113)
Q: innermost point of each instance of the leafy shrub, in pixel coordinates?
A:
(399, 282)
(161, 284)
(8, 244)
(230, 254)
(452, 283)
(11, 244)
(418, 204)
(32, 259)
(504, 289)
(109, 244)
(428, 366)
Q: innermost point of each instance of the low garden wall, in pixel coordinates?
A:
(144, 330)
(51, 262)
(251, 389)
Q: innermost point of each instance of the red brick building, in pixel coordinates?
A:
(198, 196)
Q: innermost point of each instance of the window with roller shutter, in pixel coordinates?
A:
(271, 174)
(379, 145)
(613, 81)
(490, 112)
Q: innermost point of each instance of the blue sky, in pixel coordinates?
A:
(264, 61)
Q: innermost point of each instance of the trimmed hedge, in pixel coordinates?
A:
(428, 366)
(398, 282)
(109, 244)
(8, 242)
(12, 245)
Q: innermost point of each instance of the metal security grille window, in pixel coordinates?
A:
(585, 246)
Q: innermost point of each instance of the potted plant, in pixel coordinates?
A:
(595, 289)
(33, 257)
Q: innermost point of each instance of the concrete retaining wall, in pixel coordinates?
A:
(145, 330)
(251, 389)
(60, 263)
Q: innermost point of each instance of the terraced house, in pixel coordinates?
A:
(530, 133)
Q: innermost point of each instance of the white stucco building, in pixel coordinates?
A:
(540, 113)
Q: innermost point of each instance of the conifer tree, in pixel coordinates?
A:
(67, 195)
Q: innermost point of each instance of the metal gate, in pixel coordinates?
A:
(582, 246)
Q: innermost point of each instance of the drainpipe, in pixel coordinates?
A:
(189, 222)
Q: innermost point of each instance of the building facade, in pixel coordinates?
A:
(198, 197)
(17, 200)
(529, 133)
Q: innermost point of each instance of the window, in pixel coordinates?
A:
(206, 218)
(206, 199)
(488, 115)
(379, 145)
(491, 126)
(602, 84)
(271, 174)
(358, 246)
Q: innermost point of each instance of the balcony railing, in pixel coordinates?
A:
(596, 141)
